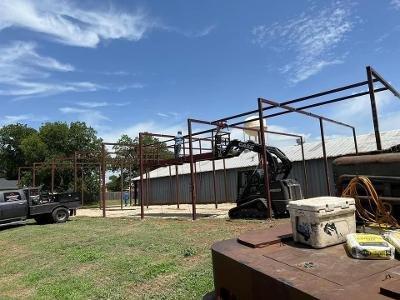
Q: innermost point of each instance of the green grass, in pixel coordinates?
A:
(95, 258)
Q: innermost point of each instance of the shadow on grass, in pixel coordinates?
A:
(209, 296)
(12, 225)
(178, 215)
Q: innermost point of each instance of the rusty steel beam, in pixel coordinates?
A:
(304, 167)
(100, 193)
(170, 180)
(75, 172)
(386, 84)
(316, 95)
(82, 186)
(122, 186)
(52, 177)
(373, 108)
(177, 186)
(147, 188)
(225, 183)
(130, 185)
(192, 178)
(264, 158)
(103, 177)
(328, 186)
(141, 175)
(324, 103)
(355, 140)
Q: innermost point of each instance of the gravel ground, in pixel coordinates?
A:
(161, 211)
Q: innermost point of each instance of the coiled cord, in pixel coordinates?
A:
(372, 210)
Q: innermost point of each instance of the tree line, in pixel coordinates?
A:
(21, 146)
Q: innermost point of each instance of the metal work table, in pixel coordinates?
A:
(267, 264)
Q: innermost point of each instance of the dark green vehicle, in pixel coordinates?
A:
(16, 206)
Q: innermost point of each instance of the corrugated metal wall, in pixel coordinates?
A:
(163, 190)
(315, 175)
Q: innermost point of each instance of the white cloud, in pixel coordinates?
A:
(116, 73)
(191, 33)
(21, 118)
(135, 85)
(10, 119)
(92, 117)
(395, 4)
(97, 104)
(23, 72)
(168, 114)
(310, 38)
(66, 23)
(93, 104)
(112, 135)
(201, 33)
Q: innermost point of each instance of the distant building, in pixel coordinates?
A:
(162, 186)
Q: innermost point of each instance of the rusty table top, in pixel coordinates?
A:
(327, 273)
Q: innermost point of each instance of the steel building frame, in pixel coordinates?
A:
(154, 160)
(372, 78)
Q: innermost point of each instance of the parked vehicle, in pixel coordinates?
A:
(16, 206)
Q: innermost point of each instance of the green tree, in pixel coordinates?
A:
(82, 138)
(55, 136)
(11, 156)
(34, 149)
(114, 183)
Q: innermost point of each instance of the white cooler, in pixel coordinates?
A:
(322, 221)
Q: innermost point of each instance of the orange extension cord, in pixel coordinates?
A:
(376, 212)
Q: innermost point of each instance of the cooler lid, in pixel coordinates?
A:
(319, 203)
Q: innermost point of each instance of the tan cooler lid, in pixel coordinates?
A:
(322, 203)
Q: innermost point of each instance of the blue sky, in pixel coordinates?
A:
(129, 66)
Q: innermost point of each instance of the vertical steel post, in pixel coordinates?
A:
(304, 168)
(75, 172)
(192, 177)
(264, 157)
(355, 139)
(199, 176)
(373, 108)
(213, 172)
(130, 185)
(122, 185)
(141, 175)
(214, 184)
(225, 184)
(52, 176)
(34, 175)
(147, 187)
(100, 186)
(328, 186)
(103, 177)
(135, 192)
(177, 186)
(82, 185)
(170, 181)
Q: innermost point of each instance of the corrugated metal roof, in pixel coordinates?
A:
(313, 150)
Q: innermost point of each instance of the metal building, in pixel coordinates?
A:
(164, 187)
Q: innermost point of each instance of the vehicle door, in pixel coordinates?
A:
(13, 205)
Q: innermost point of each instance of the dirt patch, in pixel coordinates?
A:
(161, 211)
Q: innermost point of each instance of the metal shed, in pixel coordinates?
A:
(162, 187)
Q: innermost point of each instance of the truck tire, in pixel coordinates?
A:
(60, 215)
